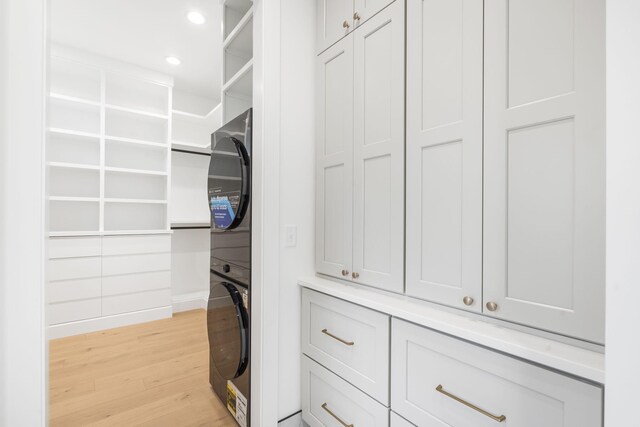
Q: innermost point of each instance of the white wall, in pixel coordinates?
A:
(297, 186)
(623, 212)
(23, 384)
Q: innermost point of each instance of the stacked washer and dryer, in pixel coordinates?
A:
(229, 307)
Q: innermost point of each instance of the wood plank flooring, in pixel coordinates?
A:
(154, 374)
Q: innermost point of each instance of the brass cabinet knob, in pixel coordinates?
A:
(355, 275)
(356, 16)
(492, 306)
(345, 272)
(346, 25)
(467, 300)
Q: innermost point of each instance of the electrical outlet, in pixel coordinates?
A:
(291, 236)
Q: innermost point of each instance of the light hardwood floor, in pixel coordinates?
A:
(154, 374)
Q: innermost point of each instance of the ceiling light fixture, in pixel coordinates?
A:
(172, 60)
(196, 18)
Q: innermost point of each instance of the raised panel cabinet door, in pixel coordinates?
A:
(378, 217)
(334, 21)
(544, 181)
(365, 9)
(444, 151)
(334, 159)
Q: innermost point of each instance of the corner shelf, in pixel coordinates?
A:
(241, 83)
(135, 141)
(136, 111)
(70, 132)
(134, 171)
(61, 97)
(141, 201)
(73, 199)
(73, 166)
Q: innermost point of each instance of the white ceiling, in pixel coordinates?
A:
(144, 32)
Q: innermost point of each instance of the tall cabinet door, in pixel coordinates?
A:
(334, 20)
(544, 164)
(378, 224)
(334, 159)
(444, 151)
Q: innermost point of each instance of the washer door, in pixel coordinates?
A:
(228, 329)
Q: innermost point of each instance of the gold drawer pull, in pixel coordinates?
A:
(499, 419)
(324, 331)
(324, 406)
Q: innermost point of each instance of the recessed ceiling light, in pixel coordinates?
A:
(173, 60)
(196, 18)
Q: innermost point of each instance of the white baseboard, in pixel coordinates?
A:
(292, 421)
(108, 322)
(190, 301)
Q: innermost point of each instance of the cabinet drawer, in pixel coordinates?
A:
(73, 311)
(327, 398)
(72, 290)
(398, 421)
(135, 302)
(431, 370)
(127, 264)
(350, 340)
(123, 245)
(139, 282)
(74, 268)
(74, 247)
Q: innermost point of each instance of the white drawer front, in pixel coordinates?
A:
(73, 290)
(74, 268)
(74, 247)
(139, 282)
(127, 264)
(134, 302)
(74, 311)
(123, 245)
(398, 421)
(350, 340)
(528, 396)
(327, 397)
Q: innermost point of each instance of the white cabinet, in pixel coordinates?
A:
(334, 159)
(544, 178)
(439, 380)
(360, 157)
(350, 340)
(328, 400)
(337, 18)
(444, 152)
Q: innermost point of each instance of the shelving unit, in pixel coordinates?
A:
(237, 58)
(109, 150)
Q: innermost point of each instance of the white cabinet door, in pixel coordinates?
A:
(334, 20)
(378, 217)
(544, 211)
(444, 151)
(334, 158)
(365, 9)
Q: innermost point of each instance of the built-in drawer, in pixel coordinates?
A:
(74, 268)
(74, 247)
(138, 282)
(73, 290)
(464, 385)
(328, 400)
(135, 302)
(123, 245)
(128, 264)
(348, 339)
(398, 421)
(73, 311)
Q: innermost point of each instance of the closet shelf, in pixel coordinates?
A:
(239, 28)
(75, 99)
(135, 141)
(239, 84)
(137, 201)
(134, 171)
(136, 111)
(61, 131)
(73, 166)
(73, 199)
(189, 146)
(106, 233)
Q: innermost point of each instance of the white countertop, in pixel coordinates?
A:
(573, 360)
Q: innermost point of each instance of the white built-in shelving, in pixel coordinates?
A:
(109, 149)
(237, 69)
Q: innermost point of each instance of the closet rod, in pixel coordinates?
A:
(191, 152)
